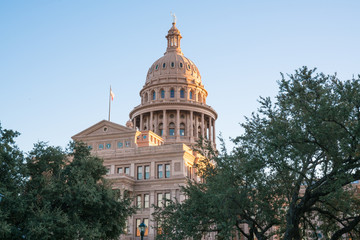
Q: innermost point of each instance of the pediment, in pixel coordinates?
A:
(102, 128)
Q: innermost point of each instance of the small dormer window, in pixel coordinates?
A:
(188, 67)
(181, 65)
(164, 65)
(157, 66)
(108, 146)
(172, 64)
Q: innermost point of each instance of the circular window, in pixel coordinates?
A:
(188, 67)
(171, 115)
(181, 65)
(108, 146)
(144, 136)
(164, 65)
(157, 66)
(172, 64)
(101, 146)
(105, 129)
(120, 144)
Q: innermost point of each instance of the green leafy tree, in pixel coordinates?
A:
(12, 180)
(68, 198)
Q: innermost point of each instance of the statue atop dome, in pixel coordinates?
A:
(174, 17)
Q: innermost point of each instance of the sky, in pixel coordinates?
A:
(58, 58)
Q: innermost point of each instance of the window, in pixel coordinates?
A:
(191, 95)
(138, 221)
(119, 144)
(172, 93)
(167, 170)
(182, 93)
(146, 201)
(167, 199)
(107, 170)
(146, 222)
(101, 146)
(120, 170)
(153, 95)
(160, 129)
(157, 67)
(162, 93)
(138, 201)
(127, 170)
(160, 171)
(139, 172)
(89, 147)
(172, 129)
(147, 172)
(181, 65)
(108, 146)
(172, 64)
(127, 144)
(164, 65)
(182, 129)
(159, 200)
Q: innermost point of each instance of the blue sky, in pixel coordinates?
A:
(58, 58)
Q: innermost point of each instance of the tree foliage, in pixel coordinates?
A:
(59, 195)
(292, 170)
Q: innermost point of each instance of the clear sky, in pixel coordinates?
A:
(59, 57)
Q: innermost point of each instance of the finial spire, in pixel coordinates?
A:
(174, 17)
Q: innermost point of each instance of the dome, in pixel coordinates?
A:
(173, 64)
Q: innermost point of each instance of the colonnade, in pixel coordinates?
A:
(175, 125)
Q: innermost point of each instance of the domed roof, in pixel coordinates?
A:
(173, 64)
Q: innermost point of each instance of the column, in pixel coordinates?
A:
(191, 134)
(156, 123)
(177, 131)
(196, 126)
(214, 134)
(134, 123)
(151, 122)
(210, 129)
(164, 124)
(202, 125)
(141, 123)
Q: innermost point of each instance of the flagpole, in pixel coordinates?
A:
(109, 102)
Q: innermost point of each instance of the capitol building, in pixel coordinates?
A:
(151, 157)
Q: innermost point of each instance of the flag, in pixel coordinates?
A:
(112, 95)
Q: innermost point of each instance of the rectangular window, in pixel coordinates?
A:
(138, 221)
(159, 199)
(146, 222)
(147, 172)
(126, 228)
(182, 132)
(172, 132)
(167, 170)
(139, 173)
(107, 171)
(127, 171)
(160, 171)
(146, 200)
(138, 201)
(161, 132)
(167, 197)
(120, 170)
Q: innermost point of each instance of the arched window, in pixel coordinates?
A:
(172, 93)
(182, 129)
(182, 93)
(153, 95)
(161, 129)
(162, 92)
(199, 131)
(172, 129)
(191, 94)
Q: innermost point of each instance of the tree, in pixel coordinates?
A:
(53, 194)
(292, 170)
(12, 180)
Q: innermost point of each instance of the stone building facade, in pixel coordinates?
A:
(151, 157)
